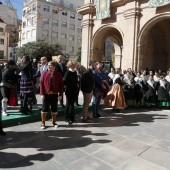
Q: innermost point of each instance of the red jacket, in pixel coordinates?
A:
(57, 81)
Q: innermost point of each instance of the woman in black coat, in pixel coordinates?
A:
(26, 83)
(150, 98)
(71, 89)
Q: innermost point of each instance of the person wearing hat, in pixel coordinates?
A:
(87, 86)
(51, 83)
(8, 79)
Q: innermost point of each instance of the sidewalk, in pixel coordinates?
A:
(16, 118)
(135, 139)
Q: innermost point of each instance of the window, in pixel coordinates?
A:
(45, 21)
(24, 12)
(79, 29)
(64, 13)
(1, 54)
(34, 8)
(1, 29)
(79, 18)
(71, 49)
(24, 24)
(23, 36)
(72, 15)
(28, 34)
(29, 11)
(63, 47)
(55, 35)
(55, 23)
(28, 22)
(45, 33)
(63, 36)
(33, 33)
(71, 37)
(33, 20)
(79, 41)
(46, 8)
(64, 24)
(1, 41)
(72, 26)
(71, 6)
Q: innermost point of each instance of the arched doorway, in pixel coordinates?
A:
(98, 44)
(154, 45)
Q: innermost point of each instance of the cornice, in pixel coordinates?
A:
(87, 23)
(132, 13)
(86, 9)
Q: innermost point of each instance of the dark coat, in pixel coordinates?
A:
(151, 92)
(9, 76)
(60, 70)
(71, 84)
(87, 81)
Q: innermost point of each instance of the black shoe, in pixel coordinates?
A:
(95, 116)
(86, 121)
(24, 112)
(99, 115)
(28, 110)
(2, 133)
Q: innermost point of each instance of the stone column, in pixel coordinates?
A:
(130, 39)
(87, 30)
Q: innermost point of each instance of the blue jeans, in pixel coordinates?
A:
(96, 101)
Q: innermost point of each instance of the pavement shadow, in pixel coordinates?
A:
(16, 160)
(126, 117)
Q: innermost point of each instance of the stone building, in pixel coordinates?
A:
(9, 16)
(55, 21)
(4, 42)
(140, 34)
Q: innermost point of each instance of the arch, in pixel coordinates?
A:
(98, 40)
(143, 37)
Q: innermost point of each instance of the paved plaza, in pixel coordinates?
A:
(133, 139)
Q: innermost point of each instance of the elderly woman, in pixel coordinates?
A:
(72, 86)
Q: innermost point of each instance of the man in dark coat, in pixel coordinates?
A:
(61, 68)
(8, 79)
(87, 86)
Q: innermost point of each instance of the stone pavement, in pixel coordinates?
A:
(133, 139)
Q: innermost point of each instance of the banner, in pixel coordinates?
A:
(157, 3)
(102, 9)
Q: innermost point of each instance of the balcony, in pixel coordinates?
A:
(4, 33)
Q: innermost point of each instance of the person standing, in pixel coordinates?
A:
(43, 67)
(26, 83)
(87, 86)
(99, 88)
(51, 83)
(79, 74)
(71, 87)
(8, 79)
(1, 127)
(61, 68)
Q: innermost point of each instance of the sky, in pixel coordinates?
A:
(17, 4)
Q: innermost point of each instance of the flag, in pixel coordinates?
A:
(102, 9)
(157, 3)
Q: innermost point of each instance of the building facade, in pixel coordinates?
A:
(55, 21)
(4, 42)
(140, 34)
(9, 17)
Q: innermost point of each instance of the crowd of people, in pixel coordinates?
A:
(118, 89)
